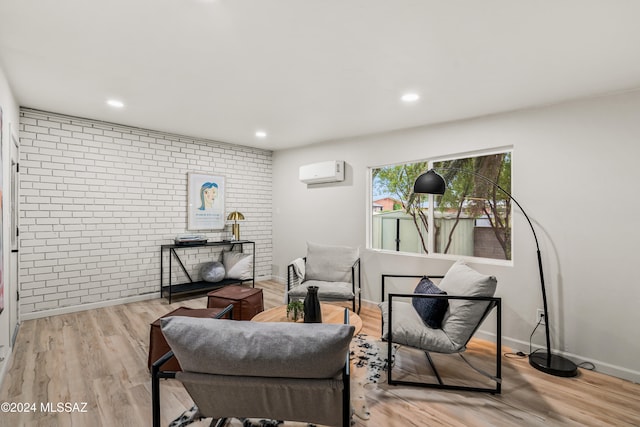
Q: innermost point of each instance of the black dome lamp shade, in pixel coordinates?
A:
(431, 182)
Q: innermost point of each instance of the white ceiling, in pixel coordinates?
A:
(307, 71)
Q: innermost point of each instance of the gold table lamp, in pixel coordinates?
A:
(235, 216)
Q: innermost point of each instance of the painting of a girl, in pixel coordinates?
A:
(208, 193)
(206, 201)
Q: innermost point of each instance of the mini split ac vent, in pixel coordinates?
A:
(322, 172)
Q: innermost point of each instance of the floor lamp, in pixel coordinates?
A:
(431, 182)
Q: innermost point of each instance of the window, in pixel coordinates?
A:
(472, 218)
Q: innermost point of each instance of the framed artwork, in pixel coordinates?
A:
(205, 194)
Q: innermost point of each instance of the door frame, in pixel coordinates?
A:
(14, 203)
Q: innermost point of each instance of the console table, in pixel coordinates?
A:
(200, 285)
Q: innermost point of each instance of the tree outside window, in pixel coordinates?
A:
(472, 218)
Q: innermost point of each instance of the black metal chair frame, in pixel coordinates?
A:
(354, 267)
(156, 373)
(346, 384)
(493, 302)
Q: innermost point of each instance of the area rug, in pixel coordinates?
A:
(192, 419)
(371, 355)
(369, 364)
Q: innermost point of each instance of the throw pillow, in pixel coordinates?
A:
(212, 271)
(463, 315)
(432, 310)
(237, 265)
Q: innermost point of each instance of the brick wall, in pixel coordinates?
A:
(98, 199)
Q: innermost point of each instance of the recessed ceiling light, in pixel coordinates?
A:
(261, 134)
(410, 97)
(115, 103)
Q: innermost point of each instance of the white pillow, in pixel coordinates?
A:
(237, 265)
(463, 315)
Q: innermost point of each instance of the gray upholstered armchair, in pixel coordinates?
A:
(335, 270)
(441, 318)
(281, 371)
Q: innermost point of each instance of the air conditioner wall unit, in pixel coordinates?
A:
(322, 172)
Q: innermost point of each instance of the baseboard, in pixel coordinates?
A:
(369, 304)
(279, 279)
(600, 366)
(88, 306)
(15, 334)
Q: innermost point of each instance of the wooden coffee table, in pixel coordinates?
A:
(330, 314)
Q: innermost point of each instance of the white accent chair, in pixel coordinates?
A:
(335, 270)
(275, 370)
(470, 297)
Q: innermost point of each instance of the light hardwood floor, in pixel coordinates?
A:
(100, 357)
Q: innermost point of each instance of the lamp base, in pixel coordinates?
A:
(553, 364)
(235, 229)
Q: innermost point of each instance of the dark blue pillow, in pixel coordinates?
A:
(432, 310)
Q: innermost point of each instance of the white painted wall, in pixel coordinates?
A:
(575, 172)
(9, 116)
(98, 200)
